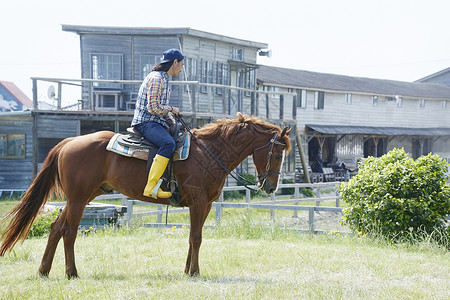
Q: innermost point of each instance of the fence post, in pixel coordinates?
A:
(311, 219)
(338, 198)
(219, 208)
(130, 211)
(160, 212)
(247, 197)
(318, 196)
(272, 211)
(296, 196)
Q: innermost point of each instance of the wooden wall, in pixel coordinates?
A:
(16, 173)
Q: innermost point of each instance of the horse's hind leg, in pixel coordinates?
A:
(70, 230)
(53, 240)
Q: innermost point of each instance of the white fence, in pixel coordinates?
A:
(272, 204)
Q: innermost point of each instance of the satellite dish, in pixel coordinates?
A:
(51, 92)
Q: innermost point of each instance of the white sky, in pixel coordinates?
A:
(391, 39)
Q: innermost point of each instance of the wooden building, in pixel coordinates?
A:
(120, 53)
(349, 118)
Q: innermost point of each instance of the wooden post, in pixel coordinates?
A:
(130, 211)
(35, 93)
(224, 100)
(59, 96)
(311, 219)
(318, 196)
(252, 104)
(302, 156)
(267, 107)
(296, 197)
(34, 156)
(272, 211)
(210, 99)
(193, 110)
(160, 213)
(257, 105)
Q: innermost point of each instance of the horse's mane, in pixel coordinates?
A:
(227, 127)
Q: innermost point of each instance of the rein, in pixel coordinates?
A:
(235, 175)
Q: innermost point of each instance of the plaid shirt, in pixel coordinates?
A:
(153, 99)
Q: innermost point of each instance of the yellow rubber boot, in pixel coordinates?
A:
(154, 178)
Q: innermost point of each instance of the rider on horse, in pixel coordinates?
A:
(153, 116)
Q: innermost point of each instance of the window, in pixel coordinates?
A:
(191, 69)
(444, 104)
(206, 75)
(348, 98)
(398, 101)
(237, 54)
(301, 98)
(249, 80)
(107, 67)
(375, 100)
(422, 103)
(147, 63)
(319, 99)
(272, 89)
(12, 145)
(221, 76)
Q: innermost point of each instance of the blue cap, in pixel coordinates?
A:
(171, 54)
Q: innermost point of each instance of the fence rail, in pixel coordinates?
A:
(273, 204)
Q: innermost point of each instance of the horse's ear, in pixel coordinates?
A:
(240, 117)
(285, 132)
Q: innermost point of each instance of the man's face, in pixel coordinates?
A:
(177, 67)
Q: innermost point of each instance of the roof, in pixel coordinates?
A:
(432, 76)
(16, 93)
(370, 130)
(161, 31)
(347, 84)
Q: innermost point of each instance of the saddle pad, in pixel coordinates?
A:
(180, 153)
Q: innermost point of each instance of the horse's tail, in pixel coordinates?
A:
(25, 212)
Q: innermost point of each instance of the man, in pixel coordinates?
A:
(153, 115)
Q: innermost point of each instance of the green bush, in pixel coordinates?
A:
(41, 225)
(398, 197)
(287, 191)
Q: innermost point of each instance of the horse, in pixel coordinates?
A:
(80, 168)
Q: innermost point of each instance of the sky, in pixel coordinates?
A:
(401, 40)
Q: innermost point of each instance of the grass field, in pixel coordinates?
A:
(244, 258)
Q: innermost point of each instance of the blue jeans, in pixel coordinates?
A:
(158, 135)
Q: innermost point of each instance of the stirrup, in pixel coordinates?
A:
(156, 189)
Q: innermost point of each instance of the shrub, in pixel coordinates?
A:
(41, 225)
(287, 191)
(398, 197)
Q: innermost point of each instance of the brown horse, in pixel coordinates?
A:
(82, 169)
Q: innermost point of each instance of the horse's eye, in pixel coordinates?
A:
(277, 157)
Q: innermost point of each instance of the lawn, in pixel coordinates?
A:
(243, 258)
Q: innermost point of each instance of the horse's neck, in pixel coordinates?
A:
(239, 146)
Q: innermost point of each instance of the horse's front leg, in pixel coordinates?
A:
(198, 214)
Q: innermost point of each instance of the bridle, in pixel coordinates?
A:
(237, 176)
(268, 172)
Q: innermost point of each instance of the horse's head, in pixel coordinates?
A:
(268, 160)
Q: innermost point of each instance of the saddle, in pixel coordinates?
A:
(133, 144)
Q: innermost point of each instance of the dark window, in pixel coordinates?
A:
(12, 145)
(319, 100)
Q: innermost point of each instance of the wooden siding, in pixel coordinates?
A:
(17, 173)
